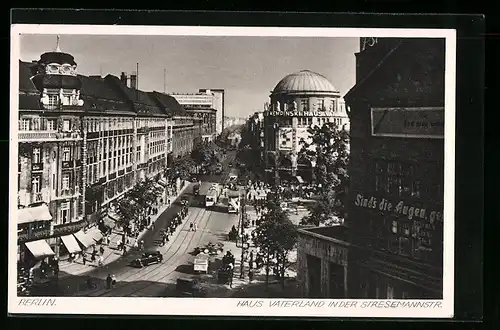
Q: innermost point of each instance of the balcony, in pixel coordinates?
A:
(37, 197)
(36, 167)
(67, 164)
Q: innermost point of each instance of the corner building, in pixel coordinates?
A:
(396, 170)
(83, 142)
(300, 100)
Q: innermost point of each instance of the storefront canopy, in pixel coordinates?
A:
(40, 249)
(32, 214)
(71, 244)
(84, 238)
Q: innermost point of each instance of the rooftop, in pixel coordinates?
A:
(304, 81)
(336, 233)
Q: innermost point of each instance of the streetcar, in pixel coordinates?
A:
(212, 195)
(233, 202)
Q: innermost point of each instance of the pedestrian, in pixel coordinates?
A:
(84, 260)
(195, 226)
(109, 281)
(153, 226)
(100, 261)
(191, 226)
(250, 276)
(93, 256)
(136, 245)
(101, 249)
(113, 280)
(124, 250)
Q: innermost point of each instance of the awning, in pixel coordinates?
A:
(32, 214)
(109, 222)
(299, 178)
(40, 249)
(95, 233)
(71, 244)
(84, 238)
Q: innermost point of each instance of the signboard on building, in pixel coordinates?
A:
(423, 123)
(299, 113)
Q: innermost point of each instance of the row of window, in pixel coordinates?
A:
(36, 182)
(402, 180)
(321, 104)
(43, 124)
(36, 155)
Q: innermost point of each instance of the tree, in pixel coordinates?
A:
(204, 153)
(276, 236)
(329, 148)
(127, 212)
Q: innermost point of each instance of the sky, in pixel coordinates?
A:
(247, 68)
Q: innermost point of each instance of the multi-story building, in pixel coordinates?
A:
(396, 169)
(300, 100)
(232, 121)
(218, 104)
(254, 137)
(82, 134)
(201, 106)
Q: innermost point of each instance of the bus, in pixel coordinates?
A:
(233, 202)
(212, 195)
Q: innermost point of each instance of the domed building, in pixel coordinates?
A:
(300, 100)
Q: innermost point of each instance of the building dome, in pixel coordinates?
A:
(304, 81)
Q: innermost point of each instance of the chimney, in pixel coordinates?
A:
(123, 78)
(133, 80)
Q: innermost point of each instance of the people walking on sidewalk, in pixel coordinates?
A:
(113, 280)
(109, 282)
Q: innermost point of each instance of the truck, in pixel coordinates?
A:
(233, 202)
(212, 195)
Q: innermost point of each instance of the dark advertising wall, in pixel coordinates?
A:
(396, 174)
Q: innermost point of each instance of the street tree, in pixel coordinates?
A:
(329, 149)
(127, 212)
(276, 237)
(203, 153)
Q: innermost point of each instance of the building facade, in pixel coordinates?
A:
(82, 134)
(218, 104)
(322, 262)
(396, 168)
(299, 101)
(201, 107)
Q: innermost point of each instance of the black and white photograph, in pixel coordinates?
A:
(306, 168)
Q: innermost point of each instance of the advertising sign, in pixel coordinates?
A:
(424, 123)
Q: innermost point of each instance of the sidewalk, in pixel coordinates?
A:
(111, 252)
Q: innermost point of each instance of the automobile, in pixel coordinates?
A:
(147, 259)
(184, 201)
(194, 179)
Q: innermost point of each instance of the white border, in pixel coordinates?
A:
(228, 307)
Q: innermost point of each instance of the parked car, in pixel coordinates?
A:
(147, 259)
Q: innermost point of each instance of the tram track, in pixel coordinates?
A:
(177, 255)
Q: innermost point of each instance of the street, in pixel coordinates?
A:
(212, 226)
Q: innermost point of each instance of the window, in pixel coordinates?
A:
(66, 125)
(304, 104)
(65, 181)
(390, 292)
(36, 186)
(320, 104)
(397, 179)
(51, 124)
(66, 154)
(36, 124)
(36, 156)
(24, 125)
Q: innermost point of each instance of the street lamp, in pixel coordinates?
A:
(243, 244)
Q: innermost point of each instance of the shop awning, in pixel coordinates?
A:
(95, 233)
(299, 178)
(71, 244)
(40, 249)
(84, 238)
(32, 214)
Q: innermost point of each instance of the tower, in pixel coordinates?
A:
(55, 76)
